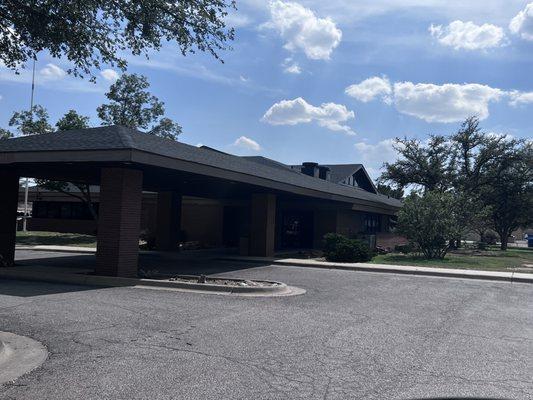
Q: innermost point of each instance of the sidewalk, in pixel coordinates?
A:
(395, 269)
(63, 249)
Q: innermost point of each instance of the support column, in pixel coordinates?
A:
(262, 225)
(9, 182)
(119, 220)
(168, 220)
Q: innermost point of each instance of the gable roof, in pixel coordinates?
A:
(107, 138)
(340, 172)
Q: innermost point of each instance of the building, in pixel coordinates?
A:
(202, 194)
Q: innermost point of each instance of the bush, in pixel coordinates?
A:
(490, 237)
(430, 222)
(341, 249)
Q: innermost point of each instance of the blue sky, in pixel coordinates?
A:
(331, 82)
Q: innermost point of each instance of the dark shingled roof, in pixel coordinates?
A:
(119, 137)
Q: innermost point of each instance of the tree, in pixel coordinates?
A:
(132, 105)
(422, 165)
(72, 120)
(91, 33)
(510, 194)
(32, 122)
(387, 190)
(5, 134)
(426, 220)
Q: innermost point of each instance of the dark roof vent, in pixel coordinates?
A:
(310, 168)
(324, 173)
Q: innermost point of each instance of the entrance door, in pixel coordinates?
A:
(297, 229)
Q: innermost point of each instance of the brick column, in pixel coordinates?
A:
(262, 225)
(9, 182)
(168, 220)
(119, 222)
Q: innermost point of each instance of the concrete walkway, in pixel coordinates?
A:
(395, 269)
(386, 268)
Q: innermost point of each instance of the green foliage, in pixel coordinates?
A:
(489, 175)
(387, 190)
(5, 134)
(90, 33)
(341, 249)
(429, 221)
(405, 248)
(72, 120)
(132, 105)
(33, 122)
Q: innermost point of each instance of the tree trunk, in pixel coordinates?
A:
(504, 239)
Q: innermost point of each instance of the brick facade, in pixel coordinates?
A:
(119, 222)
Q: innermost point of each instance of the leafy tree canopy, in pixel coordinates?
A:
(90, 33)
(32, 122)
(5, 134)
(72, 120)
(131, 104)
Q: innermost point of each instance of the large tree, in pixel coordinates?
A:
(131, 104)
(91, 33)
(31, 122)
(5, 134)
(486, 173)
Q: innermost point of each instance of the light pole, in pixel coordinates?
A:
(26, 188)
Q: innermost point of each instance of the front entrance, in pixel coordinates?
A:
(297, 229)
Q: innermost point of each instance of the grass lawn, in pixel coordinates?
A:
(33, 238)
(489, 260)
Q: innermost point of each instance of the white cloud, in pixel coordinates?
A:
(517, 98)
(303, 31)
(247, 143)
(444, 103)
(374, 155)
(522, 23)
(109, 74)
(449, 102)
(292, 112)
(468, 36)
(370, 88)
(291, 67)
(52, 72)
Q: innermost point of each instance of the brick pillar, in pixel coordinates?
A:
(9, 182)
(119, 219)
(168, 220)
(262, 225)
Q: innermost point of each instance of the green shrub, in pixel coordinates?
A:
(405, 248)
(341, 249)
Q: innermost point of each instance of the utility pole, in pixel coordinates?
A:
(26, 188)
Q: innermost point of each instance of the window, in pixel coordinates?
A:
(61, 210)
(371, 223)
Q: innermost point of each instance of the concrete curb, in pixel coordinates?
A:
(277, 289)
(393, 269)
(18, 356)
(62, 249)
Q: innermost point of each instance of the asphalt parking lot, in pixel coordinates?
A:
(352, 335)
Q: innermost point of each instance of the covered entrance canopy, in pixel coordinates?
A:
(124, 162)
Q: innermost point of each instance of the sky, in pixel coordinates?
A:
(330, 82)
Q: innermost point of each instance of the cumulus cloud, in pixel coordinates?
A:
(522, 23)
(291, 67)
(445, 103)
(52, 72)
(468, 36)
(517, 98)
(303, 31)
(109, 74)
(297, 111)
(373, 155)
(371, 88)
(247, 143)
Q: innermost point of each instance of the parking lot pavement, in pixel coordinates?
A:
(352, 335)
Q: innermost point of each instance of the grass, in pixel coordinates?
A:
(488, 260)
(34, 238)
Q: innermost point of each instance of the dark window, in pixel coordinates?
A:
(62, 210)
(371, 223)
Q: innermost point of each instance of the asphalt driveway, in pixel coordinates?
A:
(352, 335)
